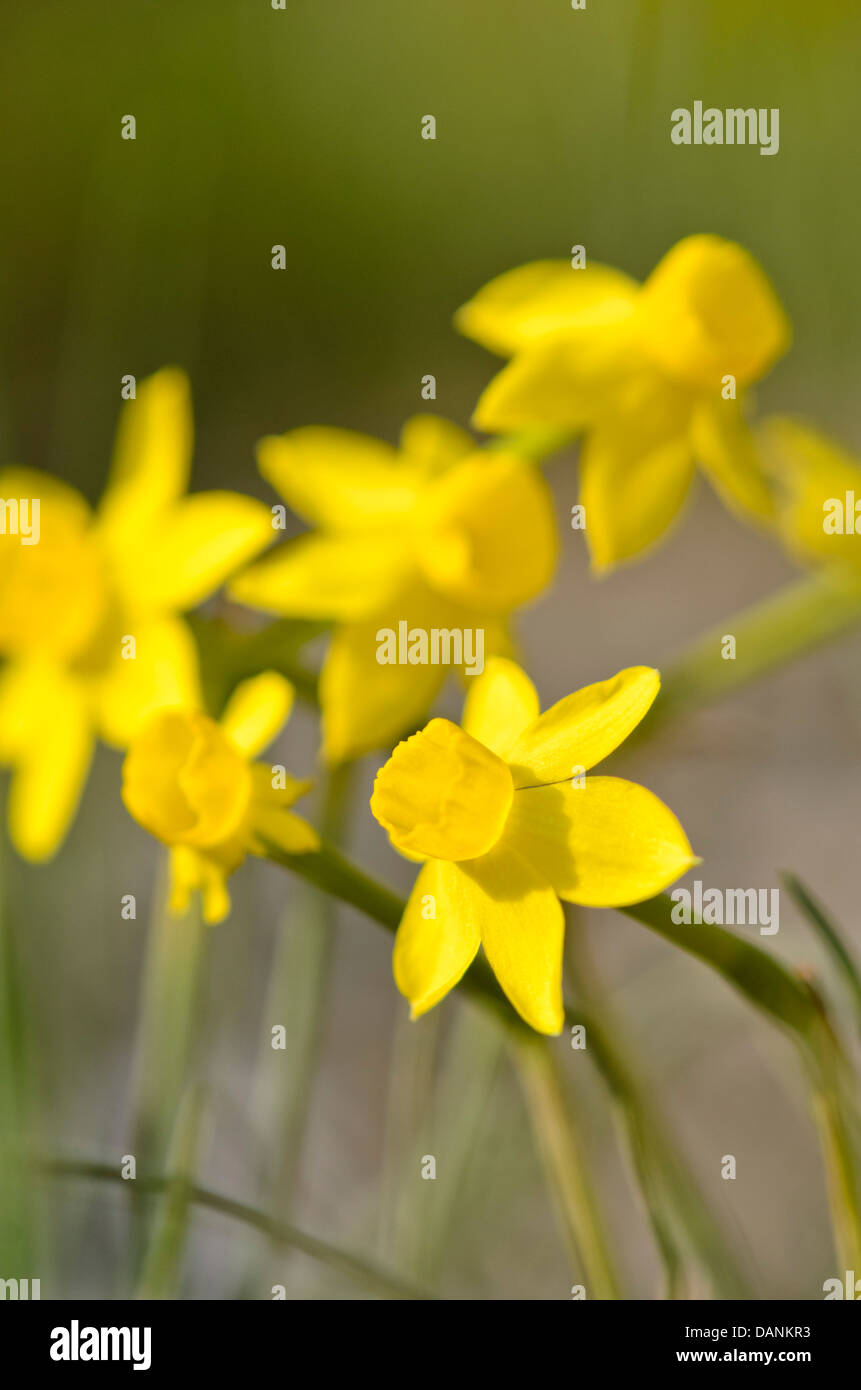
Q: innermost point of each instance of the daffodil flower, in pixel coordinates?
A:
(653, 376)
(818, 490)
(435, 535)
(507, 822)
(89, 624)
(190, 782)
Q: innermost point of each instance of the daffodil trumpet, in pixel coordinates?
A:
(817, 484)
(190, 782)
(507, 825)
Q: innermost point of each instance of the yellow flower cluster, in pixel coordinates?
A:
(439, 535)
(90, 624)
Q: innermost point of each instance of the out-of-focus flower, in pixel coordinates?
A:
(89, 624)
(653, 376)
(818, 490)
(508, 823)
(434, 535)
(190, 782)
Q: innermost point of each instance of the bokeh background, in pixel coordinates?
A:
(301, 127)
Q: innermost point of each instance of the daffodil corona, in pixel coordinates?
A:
(89, 615)
(436, 537)
(818, 489)
(652, 375)
(190, 782)
(507, 824)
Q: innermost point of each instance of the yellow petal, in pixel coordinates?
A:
(342, 577)
(53, 592)
(632, 489)
(192, 872)
(152, 454)
(584, 728)
(52, 769)
(727, 451)
(546, 297)
(368, 704)
(607, 843)
(275, 787)
(499, 705)
(438, 936)
(285, 830)
(338, 479)
(22, 684)
(818, 485)
(162, 674)
(433, 443)
(708, 310)
(522, 928)
(198, 544)
(490, 540)
(54, 496)
(567, 382)
(442, 794)
(257, 711)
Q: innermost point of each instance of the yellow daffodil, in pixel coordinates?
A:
(190, 782)
(654, 377)
(507, 823)
(818, 489)
(431, 537)
(89, 624)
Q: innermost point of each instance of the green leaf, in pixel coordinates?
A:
(830, 936)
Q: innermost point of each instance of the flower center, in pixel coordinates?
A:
(54, 592)
(443, 795)
(185, 782)
(709, 311)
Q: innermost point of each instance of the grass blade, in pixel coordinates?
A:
(830, 936)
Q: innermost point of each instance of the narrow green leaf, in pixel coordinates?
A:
(828, 933)
(381, 1281)
(759, 977)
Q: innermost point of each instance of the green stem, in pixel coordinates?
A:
(176, 954)
(666, 1186)
(300, 985)
(464, 1104)
(17, 1226)
(840, 1165)
(768, 635)
(401, 1217)
(279, 1232)
(170, 1014)
(564, 1163)
(537, 444)
(163, 1263)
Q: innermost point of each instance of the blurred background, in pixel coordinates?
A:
(302, 127)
